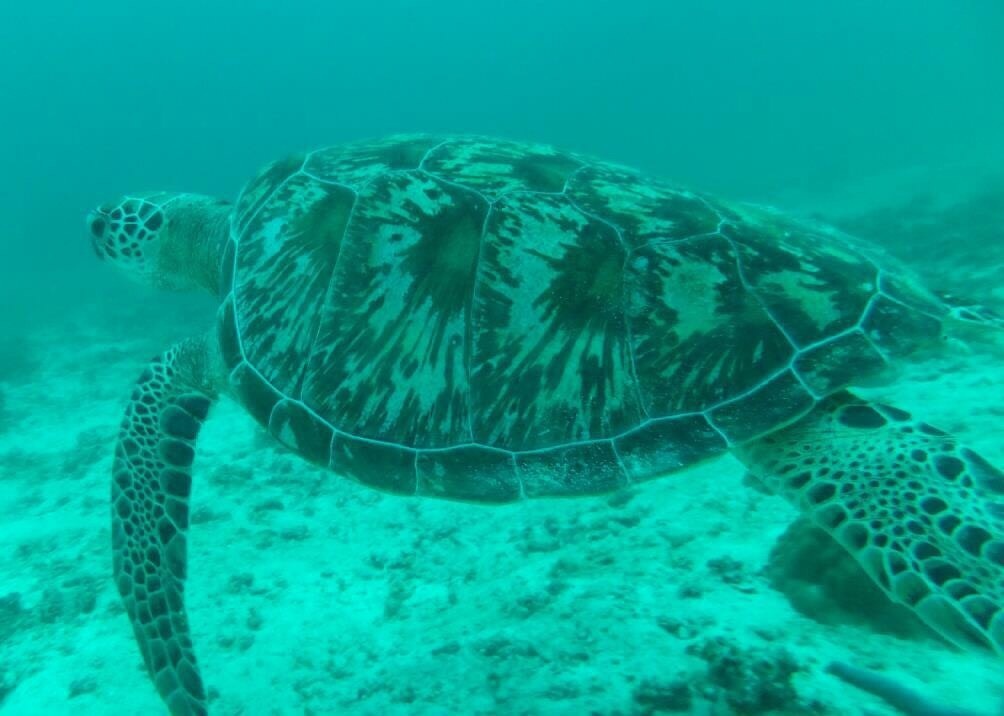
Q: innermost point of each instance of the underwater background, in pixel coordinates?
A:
(310, 594)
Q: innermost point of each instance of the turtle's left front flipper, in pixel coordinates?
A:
(150, 488)
(922, 514)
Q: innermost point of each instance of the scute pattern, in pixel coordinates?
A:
(898, 329)
(813, 286)
(287, 253)
(259, 190)
(354, 165)
(776, 402)
(644, 210)
(700, 336)
(661, 446)
(583, 469)
(831, 365)
(390, 357)
(495, 167)
(382, 466)
(468, 473)
(300, 430)
(550, 359)
(463, 315)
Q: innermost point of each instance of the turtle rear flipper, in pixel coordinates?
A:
(150, 488)
(922, 514)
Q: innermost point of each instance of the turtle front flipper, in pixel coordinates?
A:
(922, 514)
(152, 480)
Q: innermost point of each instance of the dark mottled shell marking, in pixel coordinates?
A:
(411, 251)
(550, 358)
(700, 336)
(282, 276)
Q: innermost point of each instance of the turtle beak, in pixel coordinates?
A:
(96, 226)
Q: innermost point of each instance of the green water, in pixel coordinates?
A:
(309, 594)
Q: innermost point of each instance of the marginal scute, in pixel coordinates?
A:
(382, 466)
(584, 469)
(779, 401)
(981, 609)
(468, 473)
(227, 267)
(299, 430)
(906, 289)
(254, 393)
(662, 446)
(836, 363)
(899, 330)
(226, 330)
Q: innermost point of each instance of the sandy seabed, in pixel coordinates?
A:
(309, 594)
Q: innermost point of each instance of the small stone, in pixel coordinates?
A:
(654, 697)
(676, 627)
(79, 687)
(450, 647)
(240, 583)
(295, 534)
(51, 607)
(272, 505)
(690, 591)
(12, 615)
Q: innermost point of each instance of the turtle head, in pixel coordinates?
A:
(171, 241)
(127, 232)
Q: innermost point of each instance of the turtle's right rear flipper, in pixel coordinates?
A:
(921, 513)
(150, 488)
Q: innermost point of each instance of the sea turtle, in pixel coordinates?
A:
(485, 320)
